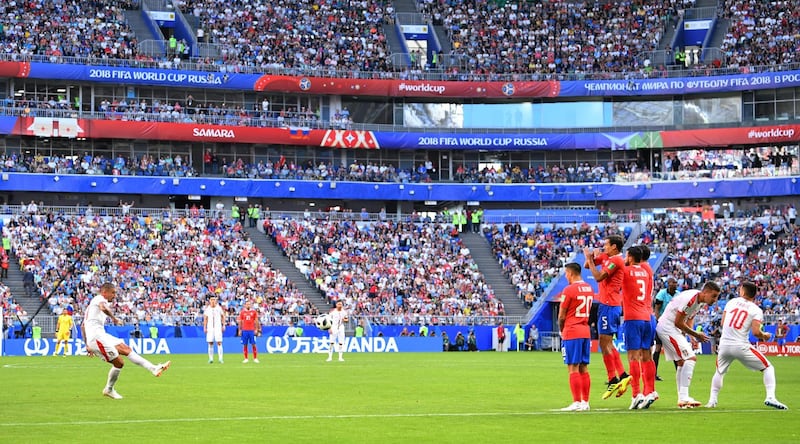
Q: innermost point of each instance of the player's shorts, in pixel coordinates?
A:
(781, 342)
(63, 336)
(248, 337)
(638, 334)
(744, 353)
(337, 336)
(576, 351)
(674, 343)
(214, 335)
(105, 346)
(608, 317)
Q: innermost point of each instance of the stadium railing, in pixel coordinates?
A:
(439, 74)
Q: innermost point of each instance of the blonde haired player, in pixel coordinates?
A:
(64, 331)
(111, 348)
(338, 319)
(740, 318)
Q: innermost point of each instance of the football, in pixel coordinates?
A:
(323, 322)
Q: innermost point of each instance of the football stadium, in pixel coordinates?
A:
(398, 221)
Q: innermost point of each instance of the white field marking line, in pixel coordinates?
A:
(366, 416)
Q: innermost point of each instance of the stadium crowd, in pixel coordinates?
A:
(144, 165)
(761, 33)
(71, 28)
(552, 37)
(533, 257)
(340, 34)
(165, 267)
(346, 37)
(396, 271)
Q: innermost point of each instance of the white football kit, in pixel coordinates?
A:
(337, 326)
(676, 346)
(213, 323)
(734, 344)
(97, 340)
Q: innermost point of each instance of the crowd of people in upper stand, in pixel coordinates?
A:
(488, 38)
(761, 33)
(165, 266)
(391, 270)
(335, 35)
(70, 28)
(554, 37)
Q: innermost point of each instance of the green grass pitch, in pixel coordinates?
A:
(375, 398)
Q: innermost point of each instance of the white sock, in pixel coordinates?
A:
(140, 361)
(330, 350)
(769, 381)
(113, 375)
(686, 376)
(219, 351)
(716, 386)
(340, 352)
(210, 352)
(678, 372)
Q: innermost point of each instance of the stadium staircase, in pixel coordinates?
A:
(493, 273)
(395, 46)
(280, 261)
(143, 33)
(408, 6)
(720, 30)
(14, 282)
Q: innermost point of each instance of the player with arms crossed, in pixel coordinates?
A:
(673, 327)
(102, 344)
(213, 321)
(609, 310)
(250, 327)
(637, 303)
(576, 345)
(338, 319)
(741, 318)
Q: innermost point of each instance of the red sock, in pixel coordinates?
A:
(245, 352)
(619, 367)
(587, 384)
(575, 386)
(608, 361)
(636, 375)
(255, 352)
(649, 373)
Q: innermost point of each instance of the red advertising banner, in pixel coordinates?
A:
(117, 129)
(773, 349)
(731, 136)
